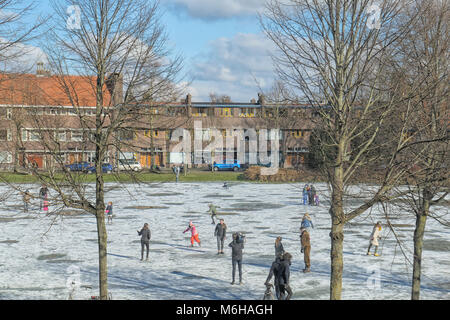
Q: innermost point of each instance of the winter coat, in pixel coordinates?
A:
(193, 230)
(109, 210)
(220, 231)
(145, 235)
(305, 239)
(280, 270)
(236, 249)
(307, 223)
(375, 235)
(43, 192)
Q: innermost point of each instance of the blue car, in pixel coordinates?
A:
(78, 166)
(235, 166)
(106, 168)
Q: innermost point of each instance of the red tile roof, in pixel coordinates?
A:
(68, 90)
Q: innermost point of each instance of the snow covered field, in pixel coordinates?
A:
(37, 261)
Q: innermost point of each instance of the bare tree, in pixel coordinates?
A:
(335, 51)
(107, 44)
(423, 70)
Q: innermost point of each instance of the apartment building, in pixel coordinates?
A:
(46, 121)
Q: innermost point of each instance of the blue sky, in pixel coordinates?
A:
(224, 49)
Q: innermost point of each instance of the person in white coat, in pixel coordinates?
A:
(374, 239)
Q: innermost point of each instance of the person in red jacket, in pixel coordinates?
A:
(194, 234)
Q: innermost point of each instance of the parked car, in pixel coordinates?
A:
(78, 166)
(106, 168)
(128, 164)
(235, 166)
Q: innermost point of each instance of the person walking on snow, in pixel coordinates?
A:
(194, 234)
(374, 238)
(237, 245)
(305, 194)
(279, 250)
(43, 193)
(26, 200)
(220, 233)
(280, 270)
(146, 235)
(306, 248)
(213, 212)
(109, 212)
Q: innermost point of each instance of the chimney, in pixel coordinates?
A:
(188, 104)
(40, 71)
(114, 83)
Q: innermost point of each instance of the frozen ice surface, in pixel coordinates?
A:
(40, 254)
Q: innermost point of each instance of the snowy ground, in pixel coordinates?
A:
(37, 261)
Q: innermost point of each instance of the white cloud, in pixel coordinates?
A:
(237, 67)
(216, 9)
(20, 58)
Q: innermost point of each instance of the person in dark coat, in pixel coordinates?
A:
(146, 235)
(236, 255)
(280, 270)
(43, 194)
(220, 233)
(279, 250)
(313, 195)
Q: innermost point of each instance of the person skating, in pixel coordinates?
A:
(213, 212)
(280, 270)
(374, 238)
(313, 195)
(43, 193)
(194, 234)
(306, 248)
(237, 245)
(279, 250)
(305, 194)
(26, 200)
(146, 235)
(109, 212)
(220, 233)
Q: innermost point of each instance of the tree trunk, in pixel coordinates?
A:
(337, 259)
(419, 231)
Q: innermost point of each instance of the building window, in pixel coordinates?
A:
(33, 135)
(225, 112)
(5, 135)
(5, 157)
(60, 136)
(247, 112)
(77, 136)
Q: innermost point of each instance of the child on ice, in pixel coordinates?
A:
(194, 234)
(374, 238)
(109, 212)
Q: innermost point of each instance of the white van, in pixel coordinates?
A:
(129, 164)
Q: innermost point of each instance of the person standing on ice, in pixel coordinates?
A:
(213, 212)
(237, 245)
(43, 193)
(26, 200)
(306, 248)
(146, 235)
(280, 270)
(194, 234)
(305, 194)
(374, 238)
(109, 212)
(279, 250)
(220, 233)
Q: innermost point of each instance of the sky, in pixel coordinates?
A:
(224, 49)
